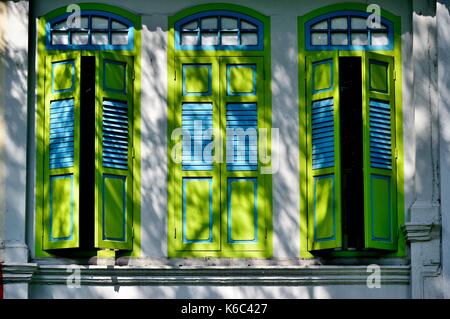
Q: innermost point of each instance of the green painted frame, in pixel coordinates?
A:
(303, 149)
(172, 124)
(42, 52)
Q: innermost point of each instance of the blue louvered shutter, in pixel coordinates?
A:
(324, 191)
(380, 155)
(242, 137)
(62, 151)
(197, 124)
(114, 178)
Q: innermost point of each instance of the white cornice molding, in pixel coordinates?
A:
(418, 232)
(217, 276)
(18, 273)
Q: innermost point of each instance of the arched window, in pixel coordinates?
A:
(219, 30)
(94, 30)
(220, 90)
(352, 109)
(348, 30)
(88, 105)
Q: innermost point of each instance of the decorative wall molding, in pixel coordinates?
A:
(418, 232)
(18, 273)
(204, 276)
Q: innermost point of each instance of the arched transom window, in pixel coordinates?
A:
(95, 30)
(348, 30)
(219, 30)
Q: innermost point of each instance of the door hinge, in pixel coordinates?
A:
(132, 232)
(266, 234)
(395, 74)
(132, 153)
(132, 74)
(175, 232)
(175, 76)
(396, 153)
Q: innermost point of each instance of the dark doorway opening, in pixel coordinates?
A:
(87, 152)
(350, 83)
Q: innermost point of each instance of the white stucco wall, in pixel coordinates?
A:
(420, 134)
(286, 200)
(228, 292)
(13, 128)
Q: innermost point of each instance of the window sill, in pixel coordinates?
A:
(201, 275)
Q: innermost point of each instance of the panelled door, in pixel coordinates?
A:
(219, 193)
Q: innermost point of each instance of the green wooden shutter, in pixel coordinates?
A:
(114, 127)
(323, 162)
(243, 192)
(379, 152)
(62, 157)
(197, 177)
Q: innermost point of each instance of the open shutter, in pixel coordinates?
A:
(324, 178)
(197, 177)
(114, 114)
(379, 152)
(61, 158)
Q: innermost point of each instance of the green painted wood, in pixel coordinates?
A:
(242, 213)
(196, 78)
(61, 207)
(114, 208)
(114, 185)
(60, 186)
(42, 186)
(197, 193)
(175, 174)
(396, 53)
(324, 188)
(244, 86)
(380, 188)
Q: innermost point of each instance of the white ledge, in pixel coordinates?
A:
(201, 276)
(418, 232)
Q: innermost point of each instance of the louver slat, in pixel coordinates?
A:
(196, 125)
(61, 134)
(380, 135)
(115, 135)
(322, 134)
(242, 139)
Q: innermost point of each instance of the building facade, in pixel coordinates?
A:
(232, 149)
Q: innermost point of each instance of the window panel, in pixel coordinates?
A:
(319, 39)
(99, 38)
(189, 38)
(339, 39)
(99, 23)
(210, 39)
(229, 23)
(360, 39)
(323, 25)
(249, 38)
(193, 25)
(379, 39)
(359, 23)
(209, 23)
(80, 38)
(60, 38)
(230, 38)
(339, 23)
(119, 38)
